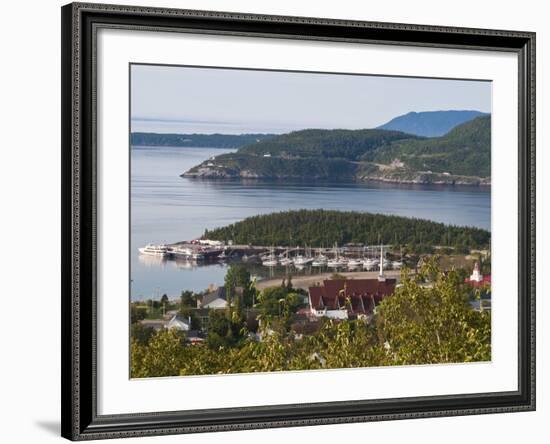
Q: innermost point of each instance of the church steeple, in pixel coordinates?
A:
(476, 274)
(381, 276)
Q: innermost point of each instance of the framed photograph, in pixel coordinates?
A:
(281, 221)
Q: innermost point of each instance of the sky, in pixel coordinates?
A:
(168, 99)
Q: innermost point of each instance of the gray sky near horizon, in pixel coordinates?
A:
(168, 99)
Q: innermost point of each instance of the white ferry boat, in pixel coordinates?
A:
(188, 253)
(155, 250)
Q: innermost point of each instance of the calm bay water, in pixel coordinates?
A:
(166, 208)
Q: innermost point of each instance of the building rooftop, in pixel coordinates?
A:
(359, 296)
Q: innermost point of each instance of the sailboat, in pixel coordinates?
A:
(303, 260)
(398, 264)
(369, 262)
(355, 263)
(270, 260)
(337, 261)
(285, 260)
(319, 261)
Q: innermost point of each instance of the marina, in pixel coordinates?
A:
(207, 251)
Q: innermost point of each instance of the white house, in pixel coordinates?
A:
(216, 300)
(179, 323)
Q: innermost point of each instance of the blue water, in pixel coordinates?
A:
(168, 208)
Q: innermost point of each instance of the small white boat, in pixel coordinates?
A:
(302, 260)
(155, 250)
(270, 261)
(319, 261)
(337, 261)
(285, 261)
(355, 263)
(369, 263)
(397, 265)
(334, 263)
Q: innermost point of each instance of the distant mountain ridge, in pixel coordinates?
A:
(430, 123)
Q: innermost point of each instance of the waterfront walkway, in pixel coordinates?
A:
(310, 280)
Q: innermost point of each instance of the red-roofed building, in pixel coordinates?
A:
(476, 279)
(344, 299)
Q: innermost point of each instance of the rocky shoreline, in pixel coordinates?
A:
(403, 177)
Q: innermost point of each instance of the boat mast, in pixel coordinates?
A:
(381, 276)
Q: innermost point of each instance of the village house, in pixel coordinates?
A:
(348, 299)
(179, 323)
(216, 299)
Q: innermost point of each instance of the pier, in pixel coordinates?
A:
(350, 256)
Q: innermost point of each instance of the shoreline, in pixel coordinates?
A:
(370, 180)
(305, 282)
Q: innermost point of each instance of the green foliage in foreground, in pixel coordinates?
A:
(419, 324)
(324, 227)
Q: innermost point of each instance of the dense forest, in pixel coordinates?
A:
(328, 144)
(197, 140)
(244, 165)
(461, 156)
(318, 228)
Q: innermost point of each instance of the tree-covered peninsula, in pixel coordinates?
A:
(196, 140)
(318, 228)
(462, 156)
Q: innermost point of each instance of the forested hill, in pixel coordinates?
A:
(197, 140)
(465, 150)
(430, 123)
(463, 156)
(328, 144)
(318, 228)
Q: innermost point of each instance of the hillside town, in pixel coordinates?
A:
(296, 309)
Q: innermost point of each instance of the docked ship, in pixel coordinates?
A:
(155, 250)
(188, 254)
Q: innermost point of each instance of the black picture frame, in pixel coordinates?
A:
(80, 22)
